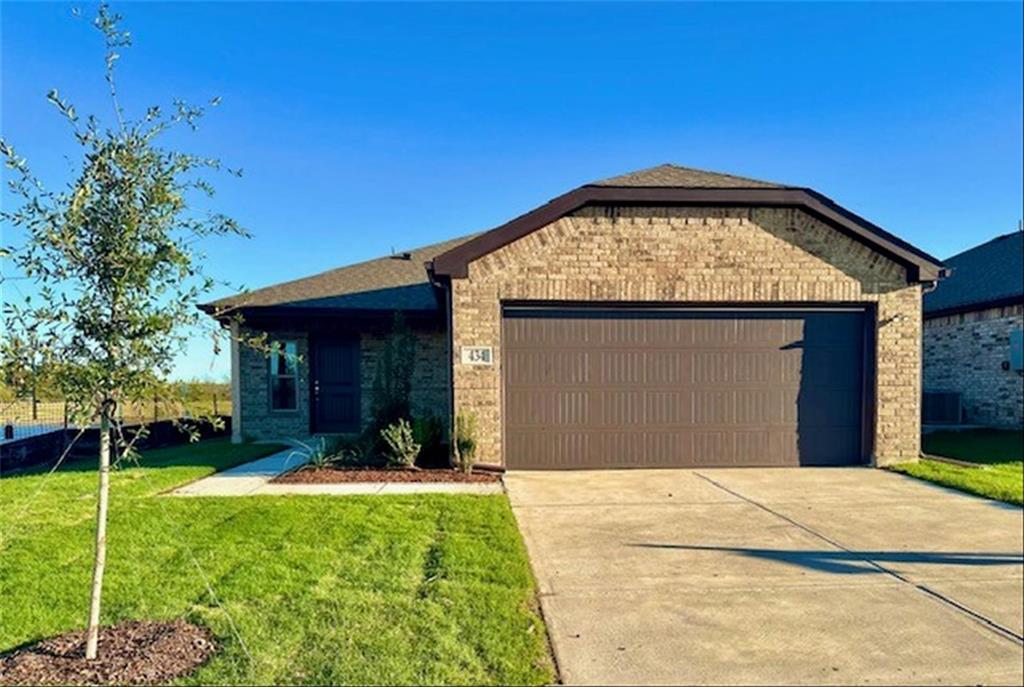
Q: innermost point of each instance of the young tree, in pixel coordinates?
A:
(115, 269)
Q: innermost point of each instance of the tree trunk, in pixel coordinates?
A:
(100, 561)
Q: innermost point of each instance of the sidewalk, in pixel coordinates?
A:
(253, 479)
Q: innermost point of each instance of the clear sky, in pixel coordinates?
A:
(367, 127)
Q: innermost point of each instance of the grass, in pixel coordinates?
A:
(998, 453)
(431, 589)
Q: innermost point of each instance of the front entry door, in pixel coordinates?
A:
(335, 385)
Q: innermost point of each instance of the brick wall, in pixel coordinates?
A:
(430, 374)
(965, 353)
(258, 421)
(699, 255)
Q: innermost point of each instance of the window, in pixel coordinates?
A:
(283, 377)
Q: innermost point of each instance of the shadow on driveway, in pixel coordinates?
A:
(852, 562)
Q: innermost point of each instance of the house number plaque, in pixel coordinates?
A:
(477, 355)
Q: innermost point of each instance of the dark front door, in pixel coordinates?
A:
(619, 389)
(335, 385)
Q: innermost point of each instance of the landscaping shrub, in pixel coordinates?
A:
(429, 433)
(319, 453)
(328, 452)
(402, 449)
(465, 442)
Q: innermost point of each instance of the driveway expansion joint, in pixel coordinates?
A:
(984, 621)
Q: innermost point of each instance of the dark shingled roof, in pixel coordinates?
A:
(389, 283)
(993, 271)
(402, 283)
(674, 176)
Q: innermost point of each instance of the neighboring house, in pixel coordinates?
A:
(972, 332)
(667, 317)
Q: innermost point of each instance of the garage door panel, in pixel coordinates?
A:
(714, 331)
(668, 367)
(620, 367)
(620, 408)
(823, 368)
(641, 389)
(668, 449)
(713, 407)
(834, 410)
(761, 406)
(713, 367)
(666, 409)
(756, 367)
(819, 447)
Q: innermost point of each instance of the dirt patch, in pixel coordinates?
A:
(343, 475)
(138, 652)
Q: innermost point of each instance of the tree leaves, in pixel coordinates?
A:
(114, 255)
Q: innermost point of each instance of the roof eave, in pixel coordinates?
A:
(252, 312)
(1002, 302)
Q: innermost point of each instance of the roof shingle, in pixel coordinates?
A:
(389, 283)
(675, 176)
(989, 272)
(401, 282)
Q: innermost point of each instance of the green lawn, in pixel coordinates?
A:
(999, 453)
(428, 589)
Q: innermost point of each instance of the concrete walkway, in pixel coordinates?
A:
(253, 479)
(776, 576)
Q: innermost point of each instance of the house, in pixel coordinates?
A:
(972, 333)
(663, 318)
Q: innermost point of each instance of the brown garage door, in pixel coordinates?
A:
(656, 388)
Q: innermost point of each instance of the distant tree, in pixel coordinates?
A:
(115, 270)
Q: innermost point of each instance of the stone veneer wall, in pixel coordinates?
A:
(430, 374)
(965, 353)
(258, 421)
(704, 255)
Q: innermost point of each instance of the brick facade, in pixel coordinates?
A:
(966, 352)
(258, 421)
(705, 255)
(430, 373)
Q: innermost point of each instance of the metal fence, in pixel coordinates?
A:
(28, 417)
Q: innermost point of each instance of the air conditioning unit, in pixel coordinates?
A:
(942, 408)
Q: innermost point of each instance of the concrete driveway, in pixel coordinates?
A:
(778, 576)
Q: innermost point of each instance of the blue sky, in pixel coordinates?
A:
(367, 127)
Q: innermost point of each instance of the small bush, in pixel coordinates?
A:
(319, 453)
(402, 449)
(429, 433)
(465, 442)
(352, 453)
(326, 452)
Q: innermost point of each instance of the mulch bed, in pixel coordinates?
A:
(138, 652)
(342, 475)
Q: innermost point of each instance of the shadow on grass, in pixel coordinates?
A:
(852, 562)
(218, 454)
(996, 447)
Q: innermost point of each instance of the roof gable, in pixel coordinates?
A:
(989, 273)
(403, 282)
(639, 188)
